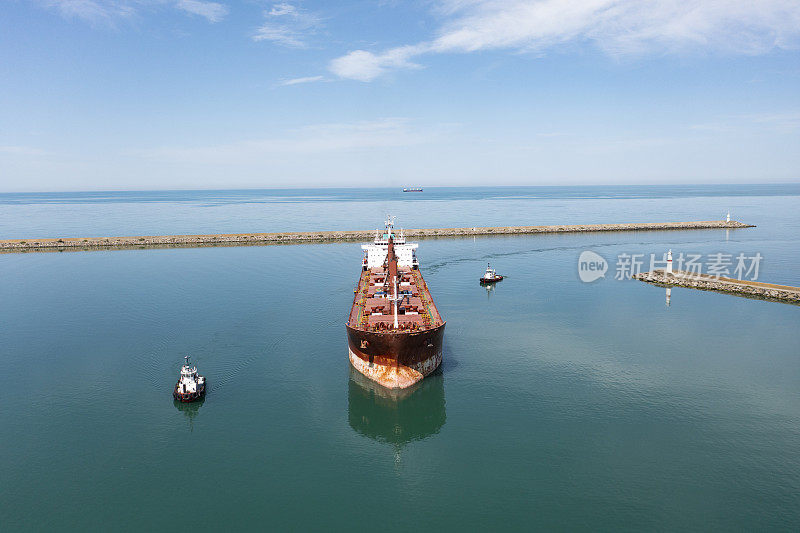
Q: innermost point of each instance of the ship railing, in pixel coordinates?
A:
(361, 317)
(427, 318)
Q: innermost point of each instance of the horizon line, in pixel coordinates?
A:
(400, 187)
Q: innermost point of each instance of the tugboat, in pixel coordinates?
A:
(191, 386)
(490, 276)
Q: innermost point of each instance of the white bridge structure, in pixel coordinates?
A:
(375, 254)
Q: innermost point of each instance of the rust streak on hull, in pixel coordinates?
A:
(396, 361)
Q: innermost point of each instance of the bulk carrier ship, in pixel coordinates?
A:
(394, 332)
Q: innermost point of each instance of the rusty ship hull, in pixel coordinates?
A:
(395, 360)
(394, 333)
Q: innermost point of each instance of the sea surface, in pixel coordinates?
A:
(560, 404)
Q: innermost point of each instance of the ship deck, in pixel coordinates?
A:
(372, 311)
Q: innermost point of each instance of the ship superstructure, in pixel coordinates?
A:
(394, 331)
(191, 386)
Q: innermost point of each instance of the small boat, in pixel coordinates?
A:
(412, 189)
(191, 386)
(490, 276)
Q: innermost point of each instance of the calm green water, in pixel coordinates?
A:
(560, 404)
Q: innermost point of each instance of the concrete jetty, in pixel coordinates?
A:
(244, 239)
(692, 280)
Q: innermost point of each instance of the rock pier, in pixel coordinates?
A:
(679, 278)
(244, 239)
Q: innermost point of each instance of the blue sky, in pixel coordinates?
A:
(153, 94)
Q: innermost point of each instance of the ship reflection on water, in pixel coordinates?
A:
(489, 289)
(396, 416)
(189, 410)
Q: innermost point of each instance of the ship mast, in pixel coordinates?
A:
(391, 261)
(392, 274)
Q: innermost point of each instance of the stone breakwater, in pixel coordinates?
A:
(783, 293)
(244, 239)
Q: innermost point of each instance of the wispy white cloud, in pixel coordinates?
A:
(296, 81)
(283, 9)
(109, 12)
(212, 11)
(619, 27)
(93, 11)
(785, 122)
(313, 139)
(365, 66)
(789, 121)
(288, 25)
(22, 150)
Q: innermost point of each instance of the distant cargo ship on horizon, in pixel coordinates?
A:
(412, 189)
(394, 332)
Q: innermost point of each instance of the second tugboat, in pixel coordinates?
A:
(395, 332)
(191, 386)
(490, 276)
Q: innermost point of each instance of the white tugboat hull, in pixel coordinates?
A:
(189, 396)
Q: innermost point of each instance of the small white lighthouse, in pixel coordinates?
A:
(669, 263)
(728, 217)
